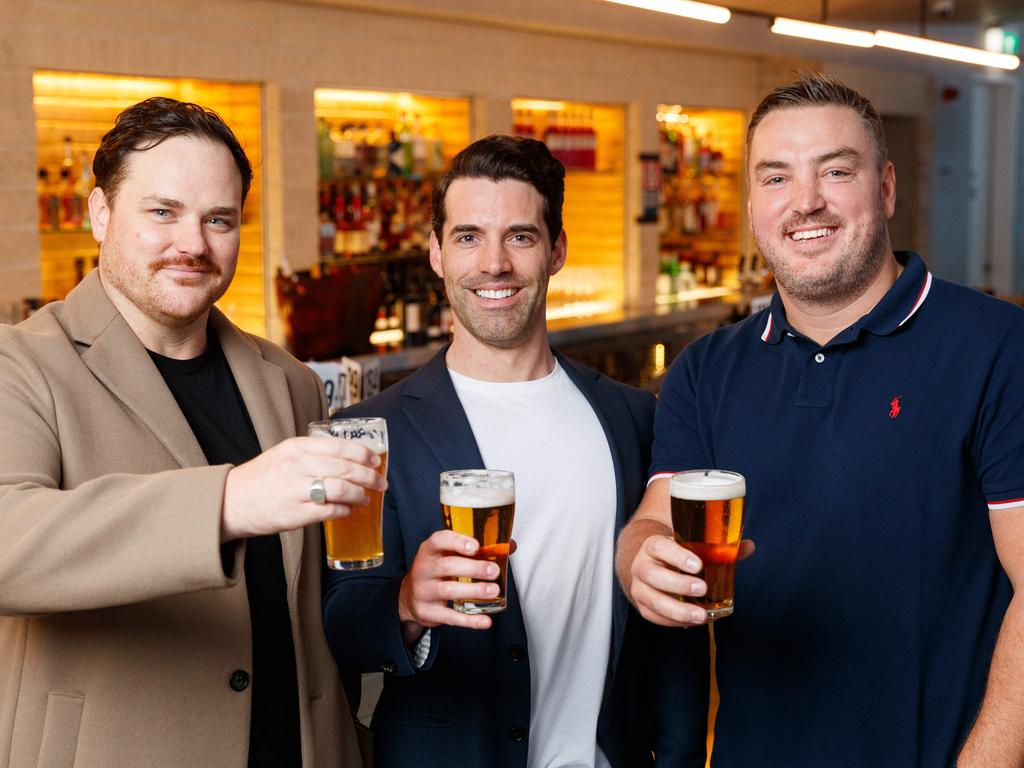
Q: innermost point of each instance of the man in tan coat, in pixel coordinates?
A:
(159, 553)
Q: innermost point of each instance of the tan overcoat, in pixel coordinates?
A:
(119, 629)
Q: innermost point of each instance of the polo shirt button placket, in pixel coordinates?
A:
(819, 358)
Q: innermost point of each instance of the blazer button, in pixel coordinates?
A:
(238, 680)
(517, 733)
(517, 652)
(389, 666)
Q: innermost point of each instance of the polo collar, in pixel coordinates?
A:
(900, 303)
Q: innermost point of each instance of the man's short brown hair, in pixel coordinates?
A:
(144, 125)
(816, 89)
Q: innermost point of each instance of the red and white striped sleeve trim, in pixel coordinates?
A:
(1008, 504)
(659, 476)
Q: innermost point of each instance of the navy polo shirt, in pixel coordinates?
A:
(866, 619)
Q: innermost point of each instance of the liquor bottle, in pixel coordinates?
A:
(324, 149)
(419, 149)
(70, 206)
(434, 332)
(413, 332)
(83, 188)
(49, 205)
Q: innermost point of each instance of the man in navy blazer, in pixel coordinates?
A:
(559, 677)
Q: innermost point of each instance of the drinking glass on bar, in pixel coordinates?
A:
(481, 503)
(356, 541)
(707, 519)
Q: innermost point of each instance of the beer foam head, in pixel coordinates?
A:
(707, 485)
(481, 488)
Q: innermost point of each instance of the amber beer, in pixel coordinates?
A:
(481, 503)
(707, 519)
(356, 541)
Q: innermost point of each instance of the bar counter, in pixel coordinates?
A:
(634, 346)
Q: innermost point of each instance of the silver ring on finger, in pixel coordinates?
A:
(317, 491)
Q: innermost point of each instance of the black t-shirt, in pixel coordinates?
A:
(209, 398)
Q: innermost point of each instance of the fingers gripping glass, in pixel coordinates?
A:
(481, 503)
(356, 541)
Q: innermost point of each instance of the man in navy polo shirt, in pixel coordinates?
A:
(878, 416)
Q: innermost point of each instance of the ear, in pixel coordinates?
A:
(435, 255)
(889, 189)
(99, 214)
(559, 254)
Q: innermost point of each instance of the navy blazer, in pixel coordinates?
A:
(469, 705)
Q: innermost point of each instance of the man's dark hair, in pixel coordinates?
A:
(816, 89)
(144, 125)
(499, 157)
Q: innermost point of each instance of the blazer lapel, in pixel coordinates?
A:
(436, 414)
(613, 414)
(117, 358)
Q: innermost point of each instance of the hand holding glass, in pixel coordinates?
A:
(356, 541)
(481, 503)
(707, 519)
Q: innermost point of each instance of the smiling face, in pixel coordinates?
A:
(169, 240)
(496, 259)
(818, 202)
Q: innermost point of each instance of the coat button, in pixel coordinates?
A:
(238, 680)
(389, 666)
(517, 733)
(517, 652)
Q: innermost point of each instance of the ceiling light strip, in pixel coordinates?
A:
(825, 33)
(716, 14)
(926, 47)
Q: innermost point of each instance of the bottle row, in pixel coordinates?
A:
(414, 310)
(691, 207)
(63, 191)
(360, 217)
(569, 135)
(408, 149)
(686, 152)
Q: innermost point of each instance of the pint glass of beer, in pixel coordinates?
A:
(481, 503)
(707, 519)
(355, 541)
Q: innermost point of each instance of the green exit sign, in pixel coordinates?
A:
(1002, 40)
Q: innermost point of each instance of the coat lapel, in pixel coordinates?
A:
(117, 358)
(264, 389)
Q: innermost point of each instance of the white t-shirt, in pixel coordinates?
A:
(546, 432)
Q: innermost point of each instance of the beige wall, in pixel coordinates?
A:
(293, 47)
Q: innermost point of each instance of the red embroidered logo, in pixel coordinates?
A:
(894, 407)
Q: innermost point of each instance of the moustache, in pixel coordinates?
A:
(814, 220)
(190, 262)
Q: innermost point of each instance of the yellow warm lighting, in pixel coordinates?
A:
(100, 85)
(538, 105)
(580, 309)
(716, 14)
(941, 50)
(659, 359)
(332, 96)
(825, 33)
(390, 336)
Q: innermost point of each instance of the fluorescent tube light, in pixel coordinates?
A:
(686, 8)
(941, 50)
(826, 33)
